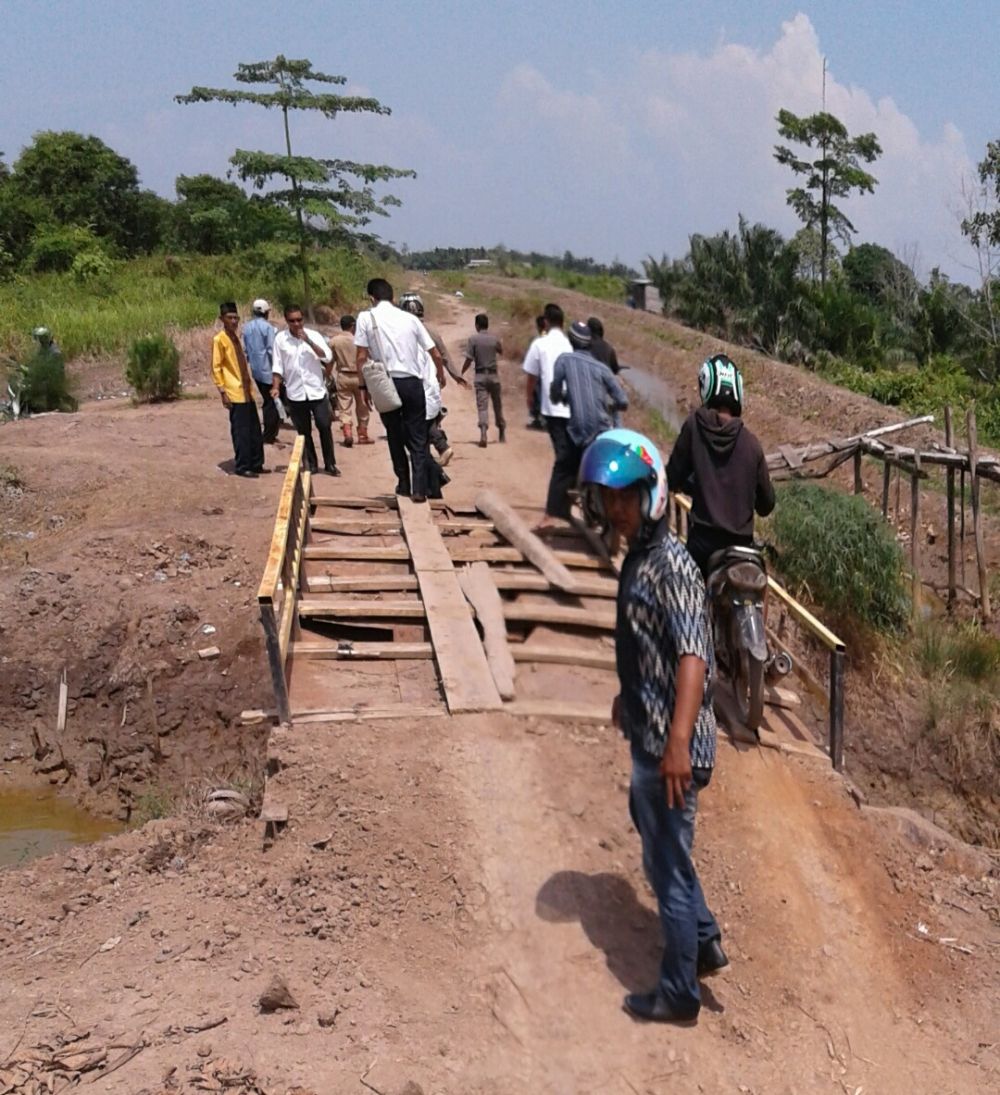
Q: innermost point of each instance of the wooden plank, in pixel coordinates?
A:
(378, 583)
(513, 528)
(316, 607)
(792, 457)
(355, 552)
(471, 553)
(388, 501)
(293, 563)
(465, 673)
(279, 539)
(529, 581)
(977, 525)
(564, 655)
(776, 696)
(347, 650)
(350, 526)
(482, 594)
(558, 711)
(371, 714)
(560, 615)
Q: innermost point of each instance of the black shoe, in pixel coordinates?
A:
(263, 471)
(334, 471)
(503, 434)
(403, 492)
(652, 1007)
(247, 474)
(419, 498)
(711, 958)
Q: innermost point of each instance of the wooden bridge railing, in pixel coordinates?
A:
(277, 596)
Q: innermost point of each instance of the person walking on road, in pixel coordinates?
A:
(304, 361)
(258, 343)
(396, 338)
(231, 375)
(534, 403)
(347, 384)
(601, 349)
(665, 663)
(440, 448)
(589, 388)
(539, 363)
(482, 351)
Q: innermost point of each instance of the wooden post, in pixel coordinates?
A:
(897, 494)
(837, 709)
(949, 440)
(961, 523)
(886, 480)
(858, 485)
(977, 527)
(275, 661)
(915, 534)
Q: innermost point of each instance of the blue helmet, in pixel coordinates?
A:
(622, 458)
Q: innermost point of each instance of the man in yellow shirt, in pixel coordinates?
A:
(232, 377)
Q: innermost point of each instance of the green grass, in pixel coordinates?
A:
(161, 293)
(151, 805)
(839, 551)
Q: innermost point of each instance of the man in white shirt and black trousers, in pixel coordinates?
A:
(304, 360)
(396, 338)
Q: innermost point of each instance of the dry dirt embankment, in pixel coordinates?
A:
(457, 905)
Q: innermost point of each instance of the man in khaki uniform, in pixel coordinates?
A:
(345, 385)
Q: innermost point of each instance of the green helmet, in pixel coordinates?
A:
(42, 335)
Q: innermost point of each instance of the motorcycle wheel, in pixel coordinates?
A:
(748, 685)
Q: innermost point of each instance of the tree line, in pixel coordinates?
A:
(858, 311)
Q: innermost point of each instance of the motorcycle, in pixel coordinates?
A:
(737, 585)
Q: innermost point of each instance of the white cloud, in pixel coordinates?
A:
(683, 142)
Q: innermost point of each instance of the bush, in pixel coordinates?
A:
(54, 250)
(153, 369)
(91, 266)
(42, 384)
(839, 550)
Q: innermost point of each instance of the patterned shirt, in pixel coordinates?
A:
(589, 387)
(662, 616)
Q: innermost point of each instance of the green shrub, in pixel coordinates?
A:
(91, 266)
(55, 249)
(42, 385)
(153, 369)
(839, 550)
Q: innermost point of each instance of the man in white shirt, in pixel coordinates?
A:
(400, 341)
(539, 363)
(303, 360)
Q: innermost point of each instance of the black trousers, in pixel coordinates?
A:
(303, 412)
(406, 433)
(704, 541)
(244, 427)
(272, 420)
(565, 467)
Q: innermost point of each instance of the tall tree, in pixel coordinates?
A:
(82, 182)
(833, 174)
(981, 226)
(323, 193)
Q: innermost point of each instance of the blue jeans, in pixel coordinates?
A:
(667, 836)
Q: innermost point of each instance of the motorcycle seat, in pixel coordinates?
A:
(743, 567)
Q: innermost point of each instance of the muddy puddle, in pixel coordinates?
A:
(656, 393)
(35, 823)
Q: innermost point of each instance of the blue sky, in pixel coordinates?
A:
(609, 129)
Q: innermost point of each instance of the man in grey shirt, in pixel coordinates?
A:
(588, 386)
(482, 351)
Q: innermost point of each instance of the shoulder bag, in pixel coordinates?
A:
(385, 398)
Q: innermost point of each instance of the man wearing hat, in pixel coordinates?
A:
(231, 375)
(258, 341)
(592, 392)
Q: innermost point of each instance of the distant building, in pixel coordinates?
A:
(644, 296)
(475, 264)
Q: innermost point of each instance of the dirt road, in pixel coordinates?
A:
(457, 904)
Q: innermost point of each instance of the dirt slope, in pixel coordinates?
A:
(457, 905)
